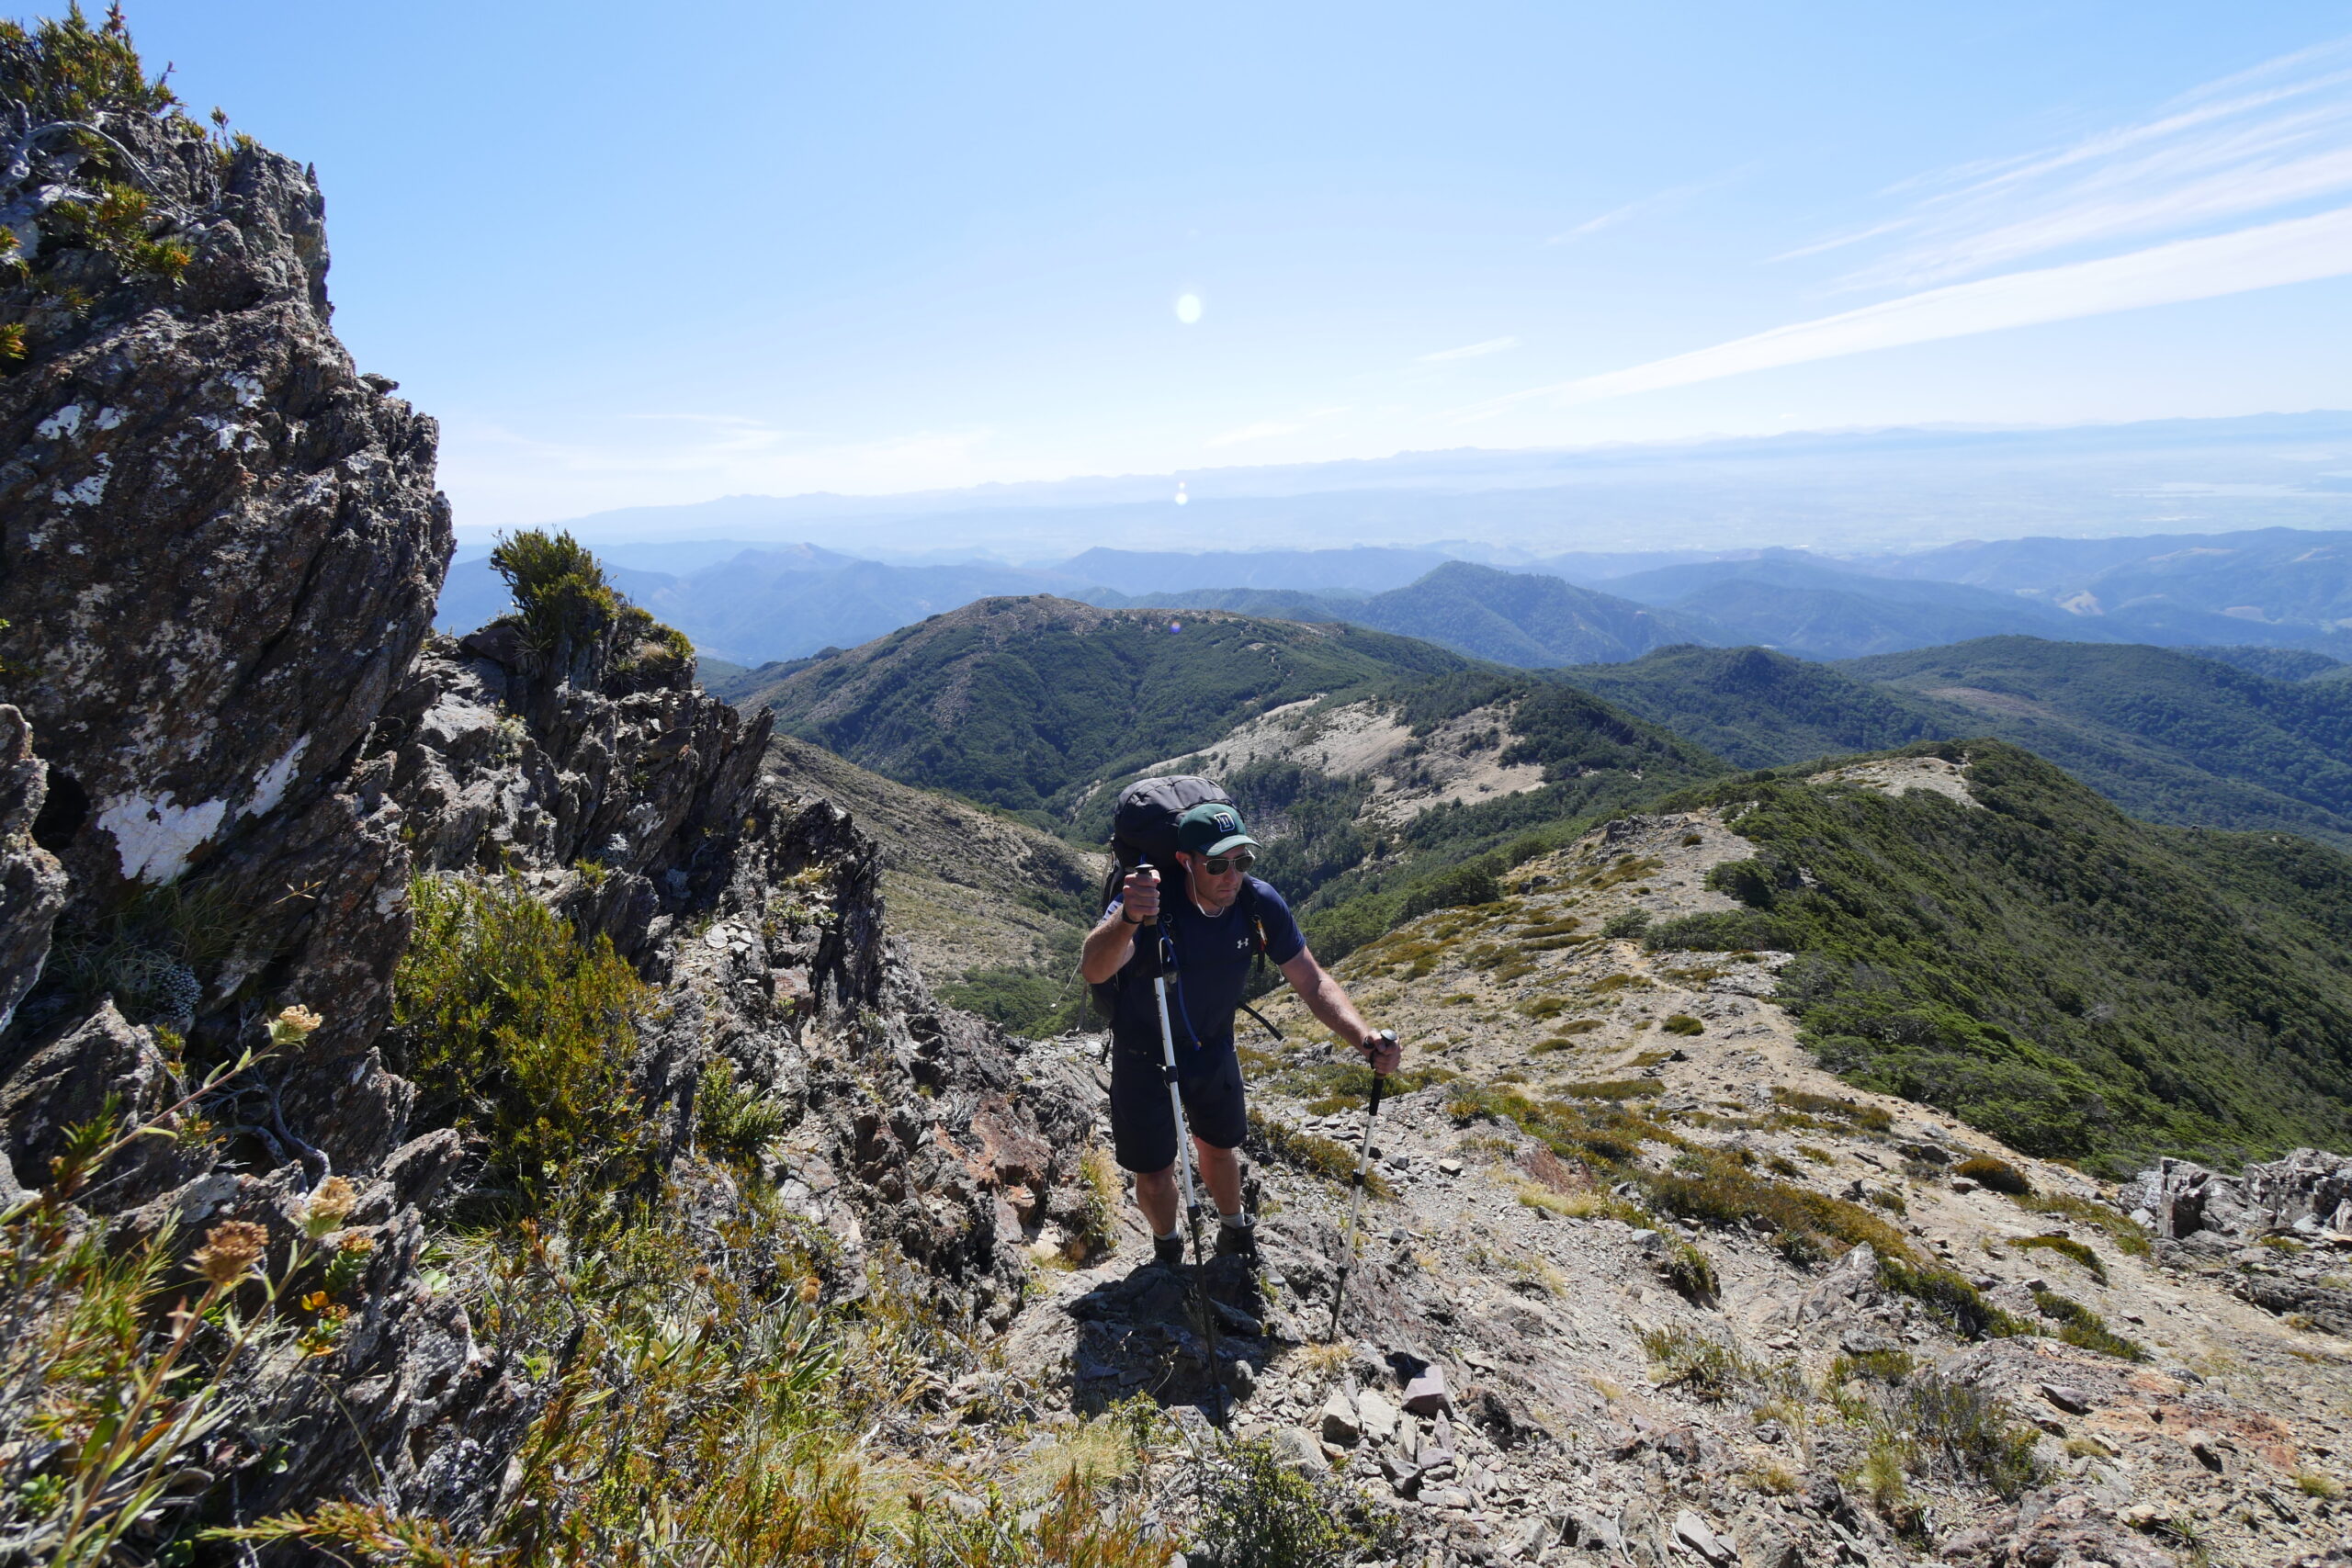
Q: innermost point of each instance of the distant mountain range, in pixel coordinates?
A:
(2275, 588)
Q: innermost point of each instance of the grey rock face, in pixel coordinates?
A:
(32, 885)
(219, 547)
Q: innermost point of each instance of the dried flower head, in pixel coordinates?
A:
(328, 1205)
(293, 1025)
(356, 1244)
(229, 1251)
(812, 1288)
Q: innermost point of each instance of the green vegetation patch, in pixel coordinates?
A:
(2078, 1324)
(2069, 1249)
(1997, 1174)
(1614, 1088)
(1869, 1118)
(2129, 1239)
(1326, 1157)
(514, 1028)
(2073, 982)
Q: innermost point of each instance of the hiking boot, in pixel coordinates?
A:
(1237, 1241)
(1168, 1251)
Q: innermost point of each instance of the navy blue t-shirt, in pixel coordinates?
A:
(1213, 957)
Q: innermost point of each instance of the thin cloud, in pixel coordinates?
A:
(2262, 141)
(2299, 250)
(1471, 350)
(1616, 215)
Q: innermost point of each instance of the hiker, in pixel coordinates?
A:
(1217, 915)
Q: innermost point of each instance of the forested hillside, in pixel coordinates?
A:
(1760, 709)
(2074, 982)
(1024, 704)
(2164, 733)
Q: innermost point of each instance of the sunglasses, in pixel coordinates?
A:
(1218, 865)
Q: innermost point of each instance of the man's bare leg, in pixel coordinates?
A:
(1221, 1169)
(1156, 1196)
(1156, 1189)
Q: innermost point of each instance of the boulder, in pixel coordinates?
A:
(1425, 1395)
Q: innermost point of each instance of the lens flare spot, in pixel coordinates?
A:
(1188, 308)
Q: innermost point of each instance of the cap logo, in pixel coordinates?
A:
(1226, 822)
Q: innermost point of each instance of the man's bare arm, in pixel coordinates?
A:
(1329, 1002)
(1112, 941)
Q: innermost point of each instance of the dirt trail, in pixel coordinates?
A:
(1593, 1409)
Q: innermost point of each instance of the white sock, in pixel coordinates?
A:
(1171, 1235)
(1238, 1220)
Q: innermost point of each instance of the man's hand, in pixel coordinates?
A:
(1140, 895)
(1112, 941)
(1382, 1051)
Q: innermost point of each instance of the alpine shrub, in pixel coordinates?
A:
(513, 1027)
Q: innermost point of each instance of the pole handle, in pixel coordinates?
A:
(1380, 1080)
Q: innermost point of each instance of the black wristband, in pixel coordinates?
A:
(1129, 917)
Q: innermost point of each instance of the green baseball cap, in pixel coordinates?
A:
(1212, 829)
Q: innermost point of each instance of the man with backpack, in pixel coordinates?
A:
(1216, 918)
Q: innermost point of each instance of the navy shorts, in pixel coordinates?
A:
(1143, 1128)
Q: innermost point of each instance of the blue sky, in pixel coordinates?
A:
(635, 256)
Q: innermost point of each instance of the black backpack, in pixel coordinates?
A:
(1143, 828)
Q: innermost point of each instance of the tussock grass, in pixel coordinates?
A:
(1320, 1156)
(2068, 1249)
(2129, 1239)
(1996, 1174)
(1869, 1118)
(2078, 1324)
(1614, 1088)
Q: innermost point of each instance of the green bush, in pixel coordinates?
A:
(559, 589)
(1948, 1297)
(1730, 931)
(1682, 1024)
(2067, 1248)
(1997, 1174)
(1968, 1430)
(1257, 1512)
(1626, 923)
(733, 1121)
(2078, 1324)
(1036, 1003)
(1692, 1273)
(514, 1029)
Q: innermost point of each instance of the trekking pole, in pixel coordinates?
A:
(1355, 1198)
(1166, 966)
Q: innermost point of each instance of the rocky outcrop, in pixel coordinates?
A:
(219, 547)
(32, 885)
(2306, 1193)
